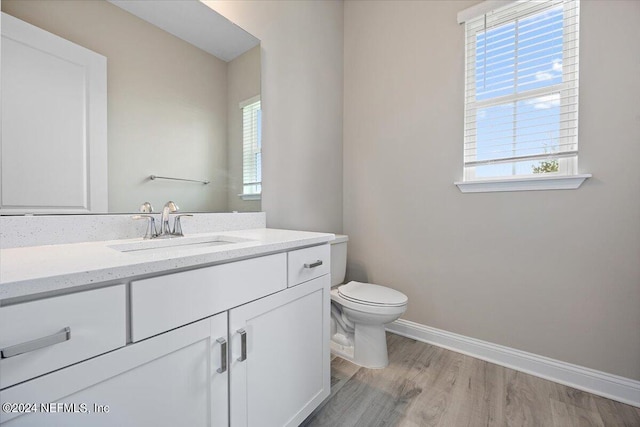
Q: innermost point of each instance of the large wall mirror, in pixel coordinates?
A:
(183, 101)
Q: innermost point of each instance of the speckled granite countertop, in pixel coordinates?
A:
(29, 271)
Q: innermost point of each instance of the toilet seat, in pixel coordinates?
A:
(372, 295)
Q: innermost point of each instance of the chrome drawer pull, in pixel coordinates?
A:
(243, 345)
(318, 263)
(26, 347)
(223, 355)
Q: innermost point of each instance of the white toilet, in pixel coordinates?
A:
(359, 313)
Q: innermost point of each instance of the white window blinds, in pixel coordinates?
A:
(521, 93)
(251, 147)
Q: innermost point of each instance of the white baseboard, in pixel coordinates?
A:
(611, 386)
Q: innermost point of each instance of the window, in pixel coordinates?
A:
(521, 93)
(251, 149)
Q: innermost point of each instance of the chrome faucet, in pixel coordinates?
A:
(169, 208)
(165, 229)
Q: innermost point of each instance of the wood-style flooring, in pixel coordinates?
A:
(425, 385)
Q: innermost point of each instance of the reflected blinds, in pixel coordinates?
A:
(251, 147)
(521, 92)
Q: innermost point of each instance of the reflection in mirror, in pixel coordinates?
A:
(174, 110)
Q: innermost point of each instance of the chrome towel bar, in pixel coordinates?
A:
(154, 177)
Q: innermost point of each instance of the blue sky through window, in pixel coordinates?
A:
(513, 59)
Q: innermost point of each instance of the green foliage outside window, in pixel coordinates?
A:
(546, 167)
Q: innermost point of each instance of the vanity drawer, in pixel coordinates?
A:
(309, 263)
(41, 336)
(159, 304)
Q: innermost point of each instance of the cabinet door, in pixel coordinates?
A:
(285, 374)
(168, 380)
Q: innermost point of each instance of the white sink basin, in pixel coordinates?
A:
(177, 244)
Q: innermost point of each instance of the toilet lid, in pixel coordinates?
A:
(366, 293)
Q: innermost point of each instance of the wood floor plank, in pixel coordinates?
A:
(437, 381)
(616, 413)
(426, 386)
(566, 415)
(524, 402)
(480, 395)
(579, 398)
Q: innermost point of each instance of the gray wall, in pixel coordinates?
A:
(555, 273)
(243, 82)
(302, 77)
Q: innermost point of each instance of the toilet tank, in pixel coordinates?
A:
(338, 259)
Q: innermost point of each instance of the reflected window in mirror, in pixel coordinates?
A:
(251, 149)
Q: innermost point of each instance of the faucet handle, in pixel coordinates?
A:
(150, 232)
(177, 225)
(146, 207)
(172, 207)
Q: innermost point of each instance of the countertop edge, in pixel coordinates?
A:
(18, 291)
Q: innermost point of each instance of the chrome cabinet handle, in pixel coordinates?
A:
(318, 263)
(223, 355)
(243, 345)
(26, 347)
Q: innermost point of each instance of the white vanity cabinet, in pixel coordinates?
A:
(284, 374)
(235, 344)
(41, 336)
(166, 302)
(169, 380)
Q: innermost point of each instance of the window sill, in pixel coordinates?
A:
(250, 196)
(566, 182)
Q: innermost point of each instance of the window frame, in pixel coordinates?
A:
(251, 195)
(567, 88)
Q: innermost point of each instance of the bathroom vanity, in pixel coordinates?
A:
(226, 326)
(139, 333)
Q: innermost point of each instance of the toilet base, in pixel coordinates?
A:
(343, 351)
(369, 349)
